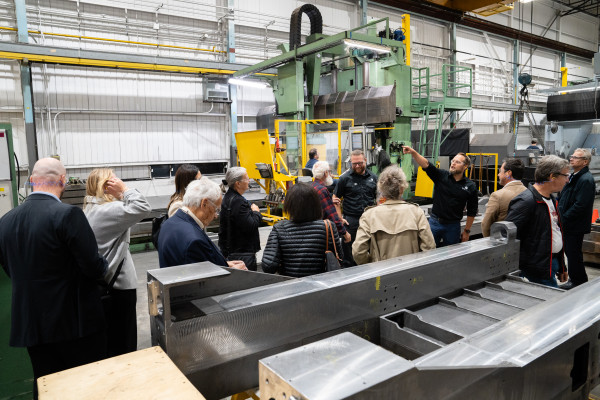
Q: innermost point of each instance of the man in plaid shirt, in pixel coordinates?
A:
(323, 178)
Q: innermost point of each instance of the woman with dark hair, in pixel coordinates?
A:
(185, 174)
(296, 247)
(239, 220)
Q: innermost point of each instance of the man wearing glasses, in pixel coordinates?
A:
(357, 187)
(576, 203)
(453, 190)
(535, 213)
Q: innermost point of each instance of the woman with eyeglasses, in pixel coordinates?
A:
(182, 238)
(238, 228)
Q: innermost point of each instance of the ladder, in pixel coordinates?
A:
(432, 112)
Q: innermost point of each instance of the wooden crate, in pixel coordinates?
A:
(144, 374)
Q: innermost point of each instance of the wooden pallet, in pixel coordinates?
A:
(143, 374)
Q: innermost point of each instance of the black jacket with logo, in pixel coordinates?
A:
(530, 213)
(358, 191)
(451, 196)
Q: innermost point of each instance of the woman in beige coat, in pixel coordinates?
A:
(393, 228)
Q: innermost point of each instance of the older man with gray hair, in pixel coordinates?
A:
(535, 213)
(322, 174)
(182, 238)
(49, 251)
(576, 204)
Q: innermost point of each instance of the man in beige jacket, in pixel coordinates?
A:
(393, 228)
(510, 176)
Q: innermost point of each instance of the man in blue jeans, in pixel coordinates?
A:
(453, 190)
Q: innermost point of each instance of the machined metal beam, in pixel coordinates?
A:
(219, 329)
(549, 351)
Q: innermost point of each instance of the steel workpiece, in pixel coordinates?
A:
(216, 328)
(548, 351)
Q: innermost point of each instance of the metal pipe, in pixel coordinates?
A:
(114, 40)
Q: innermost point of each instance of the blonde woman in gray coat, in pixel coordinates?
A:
(112, 209)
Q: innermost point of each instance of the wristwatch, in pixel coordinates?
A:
(468, 230)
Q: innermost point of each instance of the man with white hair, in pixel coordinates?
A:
(49, 251)
(576, 204)
(182, 238)
(322, 174)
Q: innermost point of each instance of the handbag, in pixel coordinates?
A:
(106, 290)
(156, 225)
(331, 259)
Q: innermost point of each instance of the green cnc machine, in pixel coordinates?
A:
(363, 74)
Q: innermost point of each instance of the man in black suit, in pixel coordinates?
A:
(49, 251)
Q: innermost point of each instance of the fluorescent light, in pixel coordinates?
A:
(525, 1)
(596, 123)
(366, 45)
(244, 82)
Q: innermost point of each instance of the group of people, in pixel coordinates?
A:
(549, 229)
(56, 254)
(60, 258)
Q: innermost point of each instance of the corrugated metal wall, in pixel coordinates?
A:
(165, 127)
(93, 116)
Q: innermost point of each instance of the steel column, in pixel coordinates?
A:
(22, 37)
(364, 5)
(231, 59)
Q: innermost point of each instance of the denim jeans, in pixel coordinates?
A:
(545, 281)
(444, 234)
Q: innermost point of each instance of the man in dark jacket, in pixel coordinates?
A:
(357, 187)
(576, 203)
(535, 213)
(182, 239)
(49, 251)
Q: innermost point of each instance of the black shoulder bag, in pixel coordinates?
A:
(331, 257)
(106, 290)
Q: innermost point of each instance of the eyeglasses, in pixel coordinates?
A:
(566, 175)
(356, 164)
(576, 158)
(456, 162)
(217, 209)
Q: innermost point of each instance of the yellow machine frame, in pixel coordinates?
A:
(495, 155)
(304, 122)
(255, 147)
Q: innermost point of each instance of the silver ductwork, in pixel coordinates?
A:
(371, 105)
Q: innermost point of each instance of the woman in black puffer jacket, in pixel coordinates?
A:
(296, 247)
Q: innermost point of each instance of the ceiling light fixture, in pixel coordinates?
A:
(367, 46)
(244, 82)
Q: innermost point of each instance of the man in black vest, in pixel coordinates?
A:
(49, 251)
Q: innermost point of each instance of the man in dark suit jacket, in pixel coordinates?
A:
(576, 204)
(182, 239)
(49, 251)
